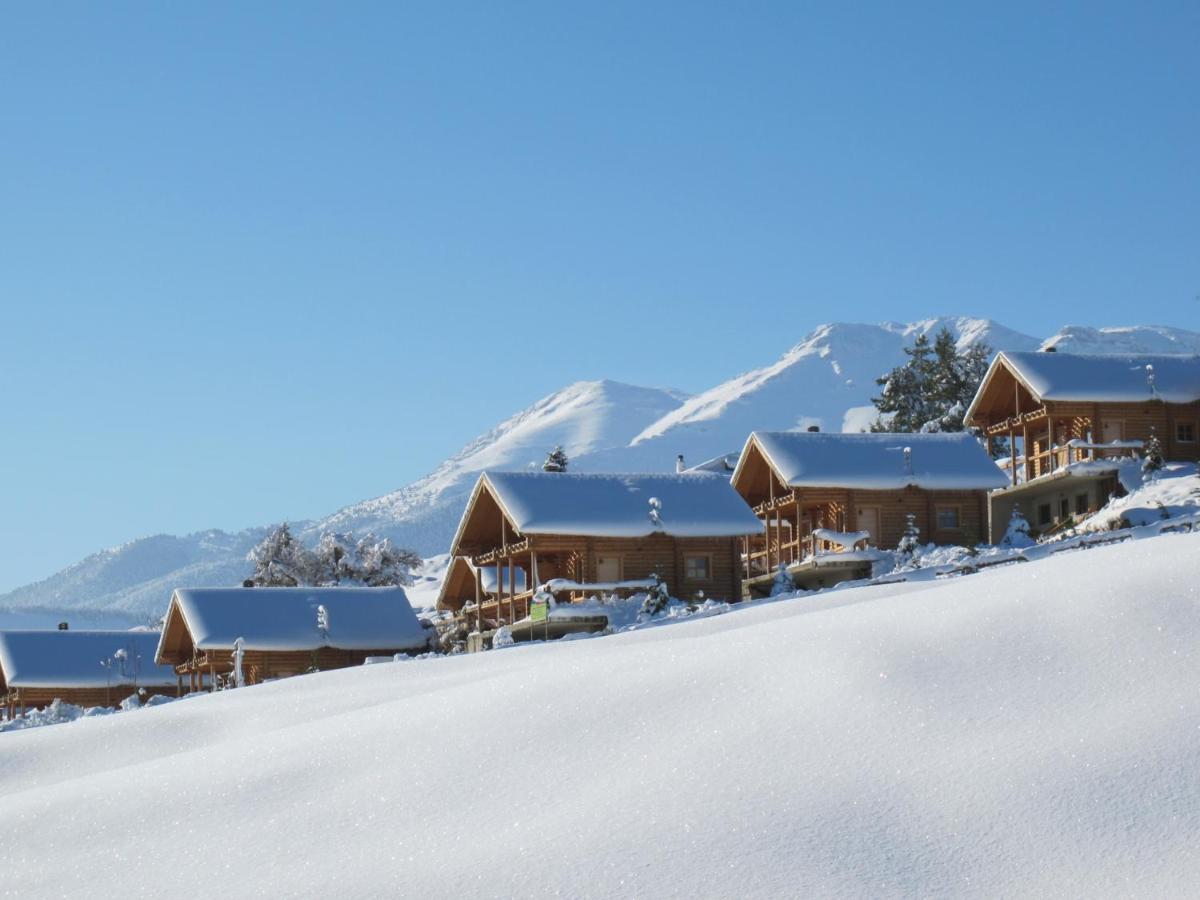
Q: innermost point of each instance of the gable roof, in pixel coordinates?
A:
(285, 618)
(73, 659)
(690, 504)
(1091, 378)
(954, 461)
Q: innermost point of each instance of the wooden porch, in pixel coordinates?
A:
(787, 538)
(1050, 442)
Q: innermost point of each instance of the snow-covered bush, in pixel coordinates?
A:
(783, 583)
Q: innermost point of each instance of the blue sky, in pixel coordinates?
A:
(261, 260)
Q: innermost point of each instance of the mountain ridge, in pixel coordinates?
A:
(826, 379)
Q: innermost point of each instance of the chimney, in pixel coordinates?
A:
(813, 429)
(679, 466)
(63, 626)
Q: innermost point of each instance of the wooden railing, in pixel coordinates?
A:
(1044, 462)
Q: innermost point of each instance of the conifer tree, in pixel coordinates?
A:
(1154, 455)
(933, 388)
(556, 461)
(281, 561)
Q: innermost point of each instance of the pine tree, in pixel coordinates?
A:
(335, 559)
(281, 561)
(1017, 535)
(381, 563)
(910, 542)
(1154, 455)
(904, 402)
(933, 388)
(556, 461)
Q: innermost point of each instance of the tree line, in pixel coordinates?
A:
(282, 560)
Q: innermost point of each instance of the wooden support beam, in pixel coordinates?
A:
(479, 598)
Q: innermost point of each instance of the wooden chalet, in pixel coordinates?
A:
(535, 528)
(824, 499)
(283, 631)
(1070, 418)
(86, 668)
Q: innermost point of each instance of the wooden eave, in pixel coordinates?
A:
(996, 390)
(482, 495)
(748, 477)
(176, 643)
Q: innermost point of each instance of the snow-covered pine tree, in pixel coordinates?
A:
(1017, 534)
(657, 598)
(903, 403)
(1153, 461)
(910, 541)
(933, 388)
(381, 563)
(335, 560)
(556, 461)
(280, 560)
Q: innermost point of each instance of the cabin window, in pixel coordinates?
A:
(1081, 504)
(947, 518)
(1185, 432)
(1044, 514)
(697, 568)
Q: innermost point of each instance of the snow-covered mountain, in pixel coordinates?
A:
(1134, 339)
(827, 379)
(586, 418)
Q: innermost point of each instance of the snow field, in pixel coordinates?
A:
(1028, 731)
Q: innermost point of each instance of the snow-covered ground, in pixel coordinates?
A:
(1027, 731)
(1173, 491)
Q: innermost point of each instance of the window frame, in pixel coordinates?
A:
(708, 566)
(940, 508)
(1191, 426)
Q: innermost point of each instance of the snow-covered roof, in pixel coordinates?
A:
(689, 504)
(75, 659)
(1116, 378)
(285, 618)
(877, 461)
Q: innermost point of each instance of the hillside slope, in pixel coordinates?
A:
(826, 379)
(995, 735)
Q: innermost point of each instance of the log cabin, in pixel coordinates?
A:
(1072, 421)
(824, 499)
(593, 530)
(283, 631)
(87, 668)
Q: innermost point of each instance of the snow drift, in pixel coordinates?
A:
(1027, 731)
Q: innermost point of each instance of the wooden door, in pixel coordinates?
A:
(608, 567)
(1112, 432)
(868, 521)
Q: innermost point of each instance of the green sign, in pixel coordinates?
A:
(539, 612)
